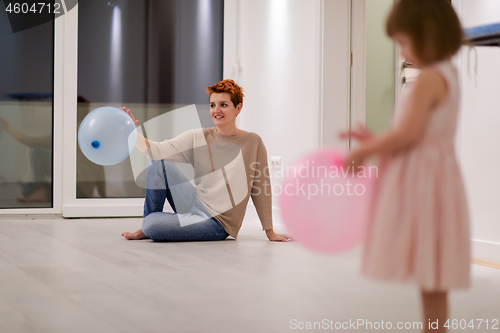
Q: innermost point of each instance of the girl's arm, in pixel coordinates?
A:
(429, 91)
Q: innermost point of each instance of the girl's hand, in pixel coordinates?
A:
(130, 114)
(354, 160)
(277, 237)
(362, 134)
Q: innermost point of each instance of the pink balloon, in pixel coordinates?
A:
(324, 206)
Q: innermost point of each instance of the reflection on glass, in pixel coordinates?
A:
(26, 90)
(89, 176)
(151, 56)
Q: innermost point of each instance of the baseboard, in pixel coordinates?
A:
(485, 252)
(277, 216)
(31, 217)
(485, 263)
(252, 217)
(104, 208)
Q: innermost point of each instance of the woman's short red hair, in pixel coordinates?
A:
(228, 86)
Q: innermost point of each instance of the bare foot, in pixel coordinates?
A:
(134, 235)
(40, 195)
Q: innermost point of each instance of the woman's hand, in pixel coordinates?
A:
(277, 237)
(362, 134)
(142, 143)
(130, 114)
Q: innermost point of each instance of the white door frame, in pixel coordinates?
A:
(335, 58)
(71, 206)
(358, 68)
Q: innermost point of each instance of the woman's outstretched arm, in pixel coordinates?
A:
(178, 149)
(142, 143)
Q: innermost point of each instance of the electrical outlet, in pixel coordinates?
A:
(275, 161)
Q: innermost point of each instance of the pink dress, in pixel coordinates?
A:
(419, 230)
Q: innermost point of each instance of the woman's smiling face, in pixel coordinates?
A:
(222, 109)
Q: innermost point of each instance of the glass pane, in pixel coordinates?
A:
(26, 90)
(380, 76)
(151, 56)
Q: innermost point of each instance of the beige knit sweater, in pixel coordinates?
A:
(228, 170)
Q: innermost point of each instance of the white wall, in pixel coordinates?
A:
(479, 132)
(276, 45)
(279, 42)
(274, 49)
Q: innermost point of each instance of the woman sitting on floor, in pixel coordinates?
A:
(230, 166)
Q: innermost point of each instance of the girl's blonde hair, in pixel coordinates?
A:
(433, 27)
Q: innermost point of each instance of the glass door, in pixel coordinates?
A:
(150, 56)
(375, 72)
(380, 59)
(29, 148)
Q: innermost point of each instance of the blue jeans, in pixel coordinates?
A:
(190, 222)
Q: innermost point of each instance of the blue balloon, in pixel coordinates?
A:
(107, 135)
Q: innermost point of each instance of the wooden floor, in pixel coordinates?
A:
(80, 275)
